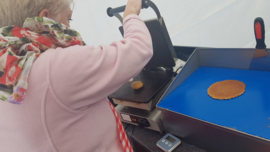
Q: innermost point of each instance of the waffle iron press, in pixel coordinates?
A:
(137, 107)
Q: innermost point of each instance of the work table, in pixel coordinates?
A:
(144, 140)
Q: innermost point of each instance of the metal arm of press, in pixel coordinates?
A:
(145, 4)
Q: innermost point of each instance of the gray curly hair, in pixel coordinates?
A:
(14, 12)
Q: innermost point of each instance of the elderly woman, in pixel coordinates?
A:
(53, 88)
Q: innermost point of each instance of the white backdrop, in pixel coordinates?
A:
(206, 23)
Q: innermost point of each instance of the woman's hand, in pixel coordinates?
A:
(133, 7)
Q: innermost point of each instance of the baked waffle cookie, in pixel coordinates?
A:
(137, 85)
(227, 89)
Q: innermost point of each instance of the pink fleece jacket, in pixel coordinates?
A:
(66, 109)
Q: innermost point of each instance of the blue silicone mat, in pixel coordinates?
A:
(249, 113)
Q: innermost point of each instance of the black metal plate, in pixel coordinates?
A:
(153, 82)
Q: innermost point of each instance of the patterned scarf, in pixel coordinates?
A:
(20, 47)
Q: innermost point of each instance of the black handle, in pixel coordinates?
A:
(112, 11)
(259, 33)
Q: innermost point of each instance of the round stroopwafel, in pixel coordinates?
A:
(137, 85)
(227, 89)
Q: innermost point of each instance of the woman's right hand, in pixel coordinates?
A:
(133, 7)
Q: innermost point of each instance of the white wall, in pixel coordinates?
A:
(209, 23)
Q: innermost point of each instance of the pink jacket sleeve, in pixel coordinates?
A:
(83, 75)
